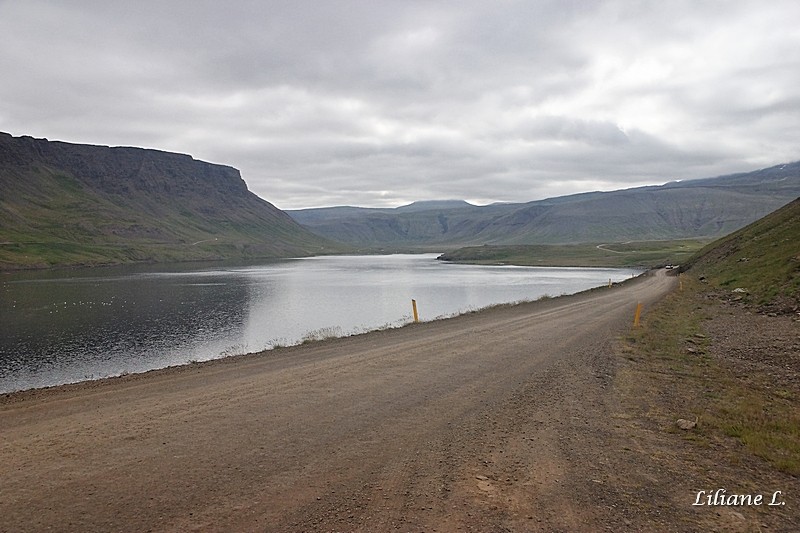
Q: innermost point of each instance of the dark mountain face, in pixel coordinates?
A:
(706, 208)
(99, 204)
(64, 203)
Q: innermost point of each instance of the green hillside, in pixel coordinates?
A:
(646, 254)
(721, 351)
(762, 259)
(68, 204)
(695, 209)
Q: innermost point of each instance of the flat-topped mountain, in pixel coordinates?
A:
(63, 203)
(71, 204)
(704, 208)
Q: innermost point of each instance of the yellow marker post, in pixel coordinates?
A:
(637, 315)
(414, 307)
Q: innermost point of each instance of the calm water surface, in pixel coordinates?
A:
(67, 326)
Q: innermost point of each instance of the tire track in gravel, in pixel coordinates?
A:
(459, 423)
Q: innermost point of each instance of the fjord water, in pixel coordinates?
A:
(65, 326)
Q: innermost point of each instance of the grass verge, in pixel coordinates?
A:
(744, 405)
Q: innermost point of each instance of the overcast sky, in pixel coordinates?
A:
(377, 103)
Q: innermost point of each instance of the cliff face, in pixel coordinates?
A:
(64, 203)
(123, 170)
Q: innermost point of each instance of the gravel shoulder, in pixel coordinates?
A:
(734, 374)
(510, 419)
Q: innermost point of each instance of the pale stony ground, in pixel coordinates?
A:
(512, 419)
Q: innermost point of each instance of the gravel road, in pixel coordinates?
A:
(491, 421)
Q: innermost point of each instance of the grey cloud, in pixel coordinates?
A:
(378, 103)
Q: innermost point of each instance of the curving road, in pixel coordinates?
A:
(487, 421)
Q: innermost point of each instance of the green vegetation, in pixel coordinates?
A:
(69, 205)
(753, 395)
(670, 367)
(629, 254)
(762, 258)
(705, 209)
(767, 424)
(50, 254)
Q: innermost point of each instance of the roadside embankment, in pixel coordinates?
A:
(732, 375)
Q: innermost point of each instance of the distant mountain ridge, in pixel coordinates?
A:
(427, 205)
(709, 208)
(72, 204)
(63, 203)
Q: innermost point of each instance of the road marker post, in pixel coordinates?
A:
(637, 314)
(414, 307)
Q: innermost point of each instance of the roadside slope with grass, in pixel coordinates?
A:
(647, 254)
(723, 354)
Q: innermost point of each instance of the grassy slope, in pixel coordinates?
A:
(631, 254)
(706, 208)
(746, 396)
(651, 213)
(52, 216)
(763, 258)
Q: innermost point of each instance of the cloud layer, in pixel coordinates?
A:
(382, 103)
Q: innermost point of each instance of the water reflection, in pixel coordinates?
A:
(77, 328)
(66, 326)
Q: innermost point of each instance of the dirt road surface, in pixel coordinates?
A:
(492, 421)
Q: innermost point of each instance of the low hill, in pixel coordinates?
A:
(706, 208)
(761, 261)
(69, 204)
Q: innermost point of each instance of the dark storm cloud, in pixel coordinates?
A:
(380, 103)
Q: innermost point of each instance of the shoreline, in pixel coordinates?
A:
(456, 423)
(21, 395)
